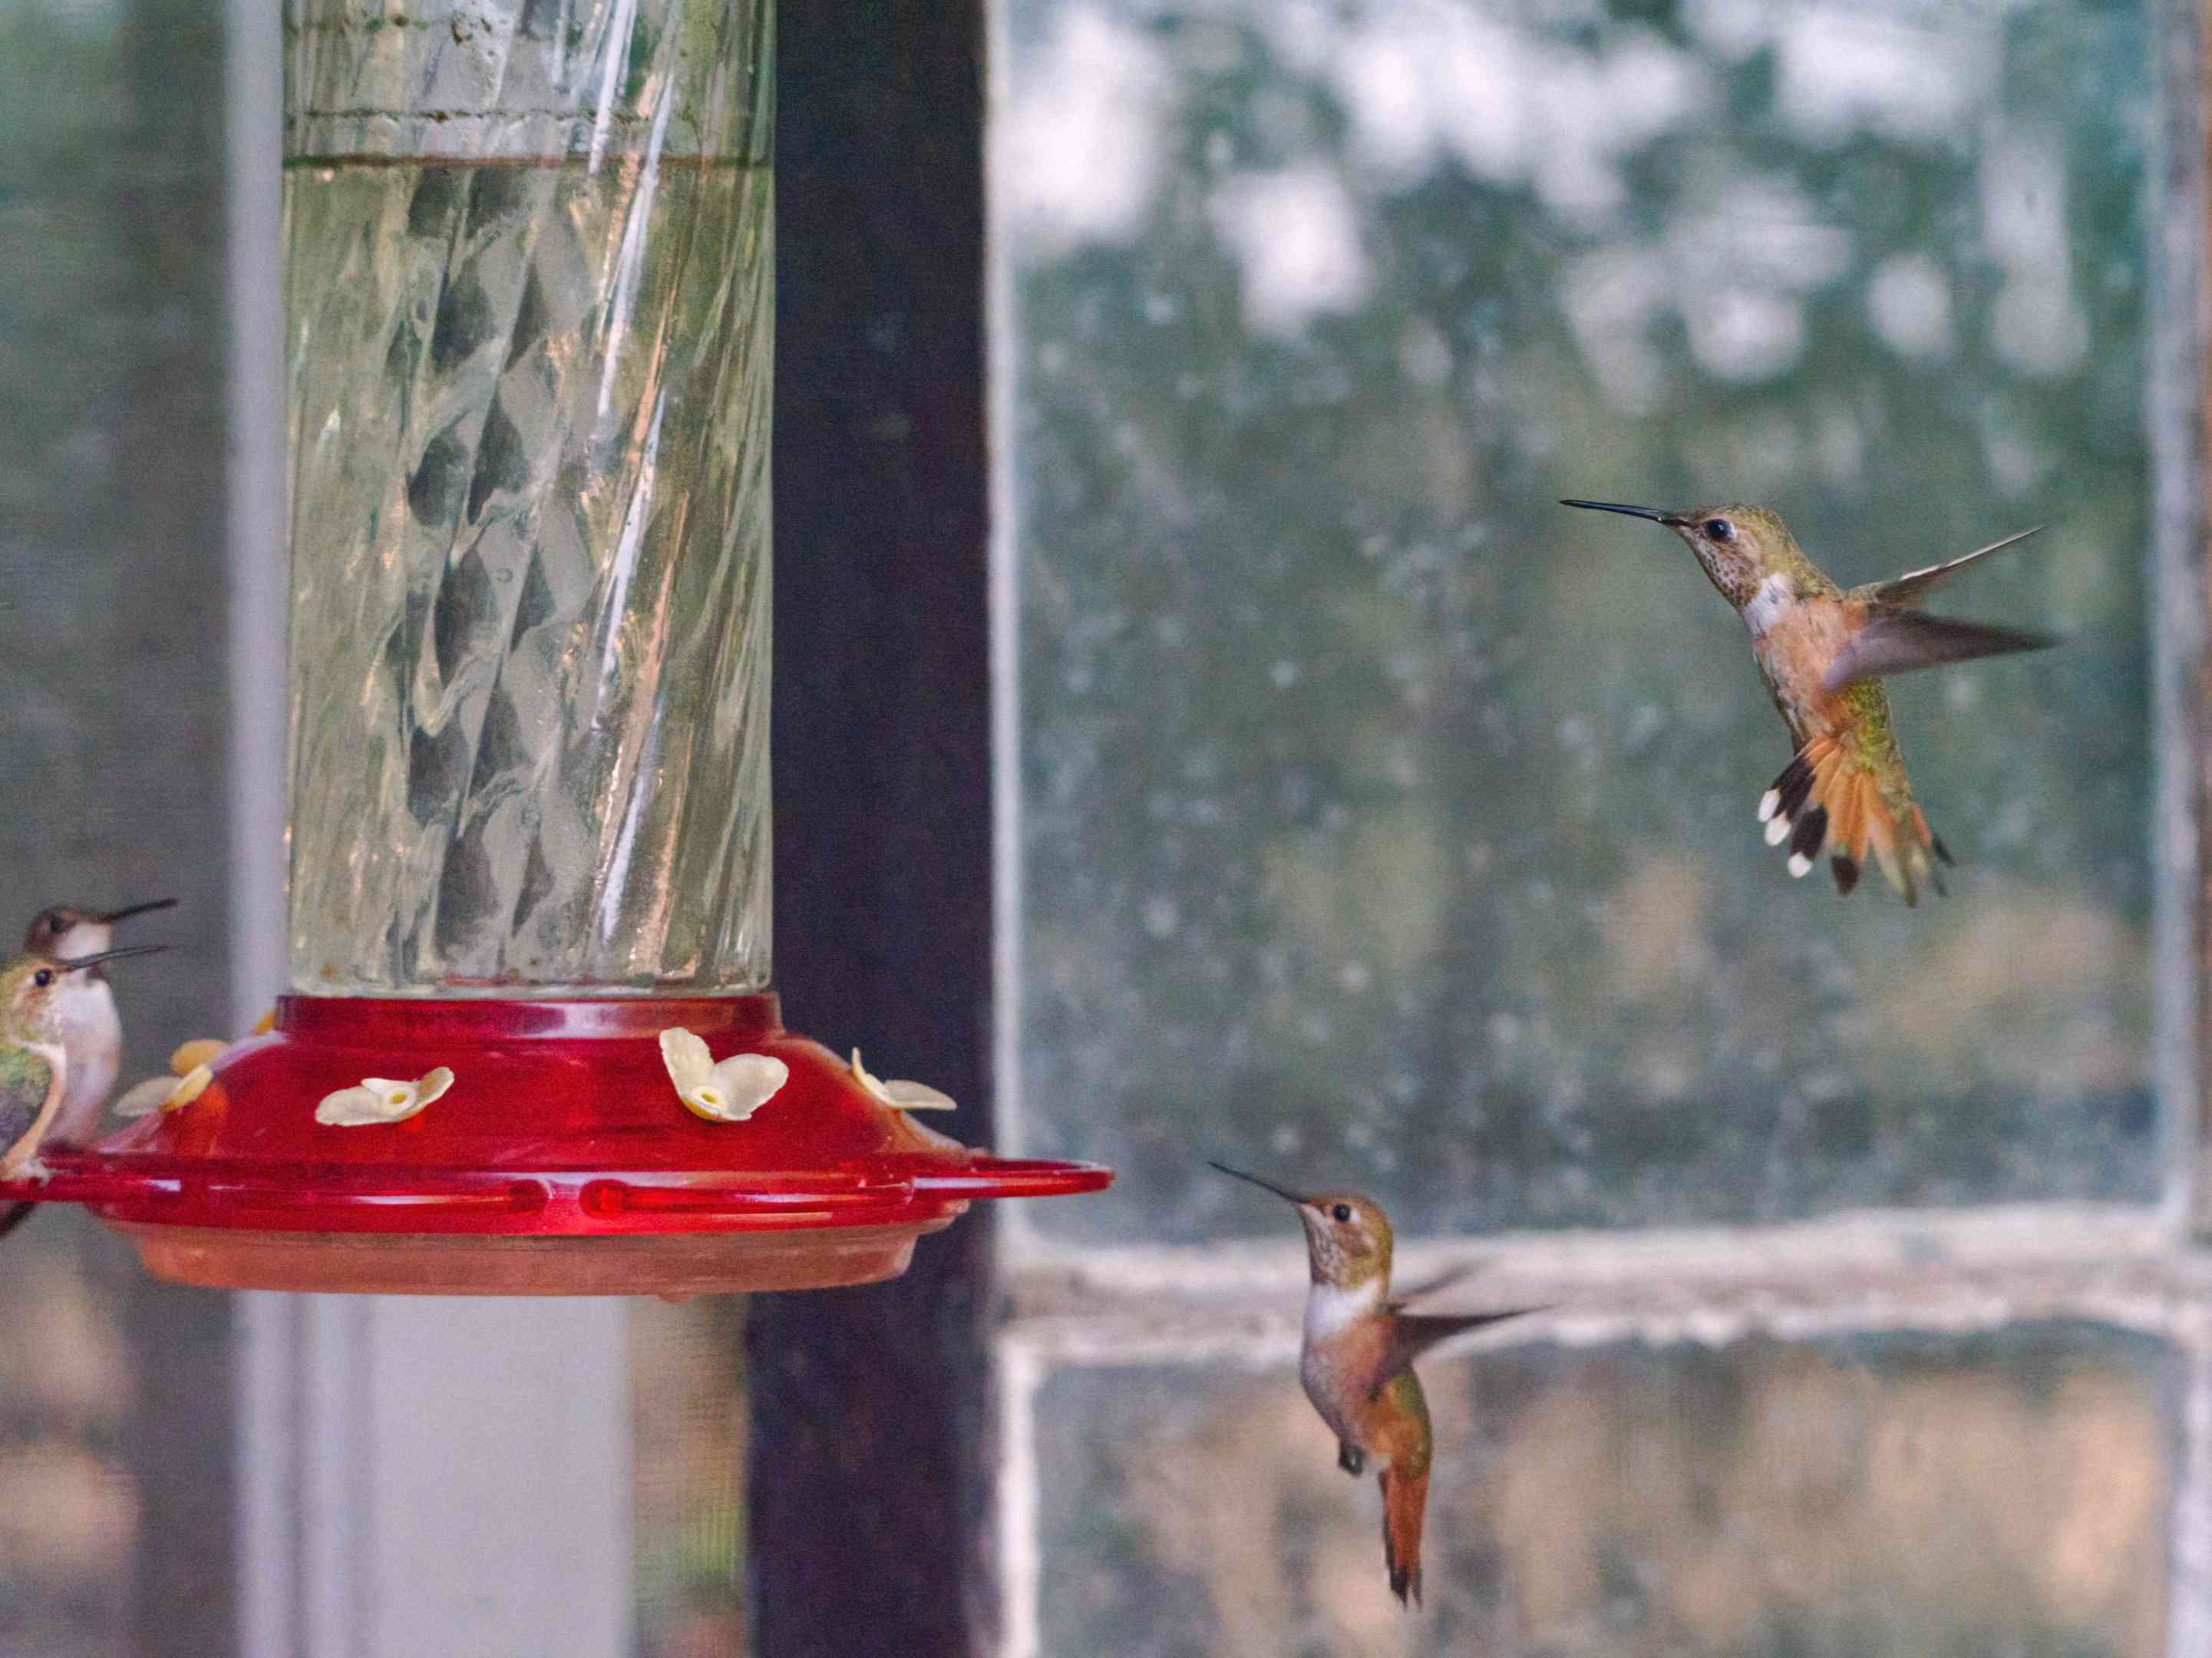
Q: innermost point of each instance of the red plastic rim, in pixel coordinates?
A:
(561, 1125)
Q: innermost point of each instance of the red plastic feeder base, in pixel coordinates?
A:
(561, 1161)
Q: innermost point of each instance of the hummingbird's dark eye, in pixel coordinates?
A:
(1342, 1212)
(43, 977)
(1719, 529)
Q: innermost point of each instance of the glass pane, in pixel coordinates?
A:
(1381, 816)
(1884, 1497)
(66, 1560)
(115, 1427)
(688, 1388)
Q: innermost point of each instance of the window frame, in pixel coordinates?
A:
(874, 1412)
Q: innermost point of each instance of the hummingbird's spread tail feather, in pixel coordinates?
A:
(1405, 1496)
(1825, 799)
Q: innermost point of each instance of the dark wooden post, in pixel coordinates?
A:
(872, 1408)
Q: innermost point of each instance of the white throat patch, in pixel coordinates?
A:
(1772, 598)
(1329, 1309)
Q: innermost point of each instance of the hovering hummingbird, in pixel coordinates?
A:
(33, 1062)
(1823, 651)
(92, 1030)
(1356, 1360)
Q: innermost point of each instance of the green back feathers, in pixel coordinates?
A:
(1404, 1392)
(21, 1069)
(24, 1079)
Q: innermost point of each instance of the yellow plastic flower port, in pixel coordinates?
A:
(728, 1092)
(379, 1099)
(902, 1097)
(166, 1093)
(192, 1055)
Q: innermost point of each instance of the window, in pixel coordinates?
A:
(1379, 823)
(1358, 816)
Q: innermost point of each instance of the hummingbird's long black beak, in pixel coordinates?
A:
(1264, 1185)
(1652, 513)
(95, 959)
(130, 910)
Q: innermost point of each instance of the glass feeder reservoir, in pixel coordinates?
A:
(530, 1045)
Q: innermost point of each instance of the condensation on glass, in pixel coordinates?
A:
(1383, 821)
(529, 302)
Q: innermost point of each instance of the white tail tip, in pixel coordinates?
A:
(1777, 830)
(1769, 804)
(1799, 864)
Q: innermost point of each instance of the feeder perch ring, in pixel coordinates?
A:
(561, 1161)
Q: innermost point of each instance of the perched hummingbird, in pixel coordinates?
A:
(1823, 652)
(33, 1062)
(1357, 1358)
(92, 1030)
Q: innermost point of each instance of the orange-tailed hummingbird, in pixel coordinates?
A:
(1823, 651)
(1357, 1356)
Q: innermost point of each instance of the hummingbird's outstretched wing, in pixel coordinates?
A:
(1430, 1286)
(1413, 1334)
(1897, 640)
(1906, 589)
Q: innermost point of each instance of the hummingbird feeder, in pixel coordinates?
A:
(530, 1045)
